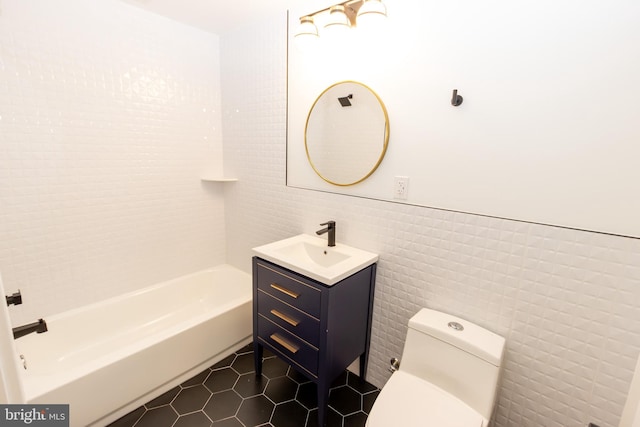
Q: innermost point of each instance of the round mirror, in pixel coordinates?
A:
(347, 133)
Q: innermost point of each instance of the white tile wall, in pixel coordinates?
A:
(107, 115)
(566, 300)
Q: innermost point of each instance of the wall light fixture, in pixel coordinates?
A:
(340, 18)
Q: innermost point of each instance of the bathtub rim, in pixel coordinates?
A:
(39, 384)
(137, 292)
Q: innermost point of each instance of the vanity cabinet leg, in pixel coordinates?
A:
(257, 357)
(364, 359)
(323, 402)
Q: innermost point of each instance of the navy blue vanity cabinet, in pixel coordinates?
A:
(318, 329)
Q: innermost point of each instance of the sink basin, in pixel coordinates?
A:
(311, 257)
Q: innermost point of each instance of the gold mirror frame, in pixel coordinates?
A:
(314, 166)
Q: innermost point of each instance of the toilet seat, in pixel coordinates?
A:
(409, 401)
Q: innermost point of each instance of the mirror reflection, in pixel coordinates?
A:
(347, 133)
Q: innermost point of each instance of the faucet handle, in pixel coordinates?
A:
(15, 298)
(331, 230)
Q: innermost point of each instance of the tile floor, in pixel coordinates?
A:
(230, 395)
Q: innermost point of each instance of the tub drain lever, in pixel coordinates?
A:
(15, 298)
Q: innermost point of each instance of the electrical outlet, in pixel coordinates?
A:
(400, 187)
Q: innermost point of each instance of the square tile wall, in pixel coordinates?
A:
(566, 300)
(107, 116)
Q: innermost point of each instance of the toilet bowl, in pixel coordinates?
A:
(448, 375)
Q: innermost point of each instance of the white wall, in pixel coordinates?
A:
(107, 115)
(566, 300)
(548, 129)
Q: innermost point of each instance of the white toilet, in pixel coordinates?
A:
(448, 375)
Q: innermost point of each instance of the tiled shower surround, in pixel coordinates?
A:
(107, 116)
(100, 193)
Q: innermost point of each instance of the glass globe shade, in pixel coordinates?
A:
(306, 35)
(338, 23)
(372, 14)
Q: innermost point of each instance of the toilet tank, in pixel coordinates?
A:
(464, 362)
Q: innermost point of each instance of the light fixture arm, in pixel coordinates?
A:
(341, 16)
(351, 8)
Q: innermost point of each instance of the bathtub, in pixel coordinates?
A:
(106, 359)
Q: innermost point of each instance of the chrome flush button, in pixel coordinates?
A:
(455, 325)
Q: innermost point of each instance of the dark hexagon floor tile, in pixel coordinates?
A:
(358, 419)
(163, 399)
(281, 389)
(229, 422)
(249, 385)
(223, 405)
(191, 399)
(297, 376)
(255, 410)
(333, 418)
(246, 349)
(224, 379)
(274, 367)
(368, 400)
(198, 379)
(224, 363)
(308, 395)
(340, 379)
(130, 419)
(244, 363)
(345, 400)
(266, 353)
(197, 419)
(358, 384)
(222, 385)
(164, 416)
(289, 414)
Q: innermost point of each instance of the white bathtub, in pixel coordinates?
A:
(109, 358)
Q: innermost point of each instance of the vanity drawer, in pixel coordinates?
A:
(286, 287)
(297, 322)
(288, 344)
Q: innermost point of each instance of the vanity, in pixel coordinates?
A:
(312, 307)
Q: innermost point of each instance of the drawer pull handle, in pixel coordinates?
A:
(284, 290)
(286, 344)
(282, 316)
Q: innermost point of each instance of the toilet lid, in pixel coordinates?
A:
(412, 402)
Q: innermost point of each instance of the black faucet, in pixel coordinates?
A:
(331, 229)
(39, 327)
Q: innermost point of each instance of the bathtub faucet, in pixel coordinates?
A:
(331, 229)
(38, 327)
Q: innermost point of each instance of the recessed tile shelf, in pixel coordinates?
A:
(209, 178)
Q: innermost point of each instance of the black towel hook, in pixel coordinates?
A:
(456, 99)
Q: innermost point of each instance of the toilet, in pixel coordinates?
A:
(448, 375)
